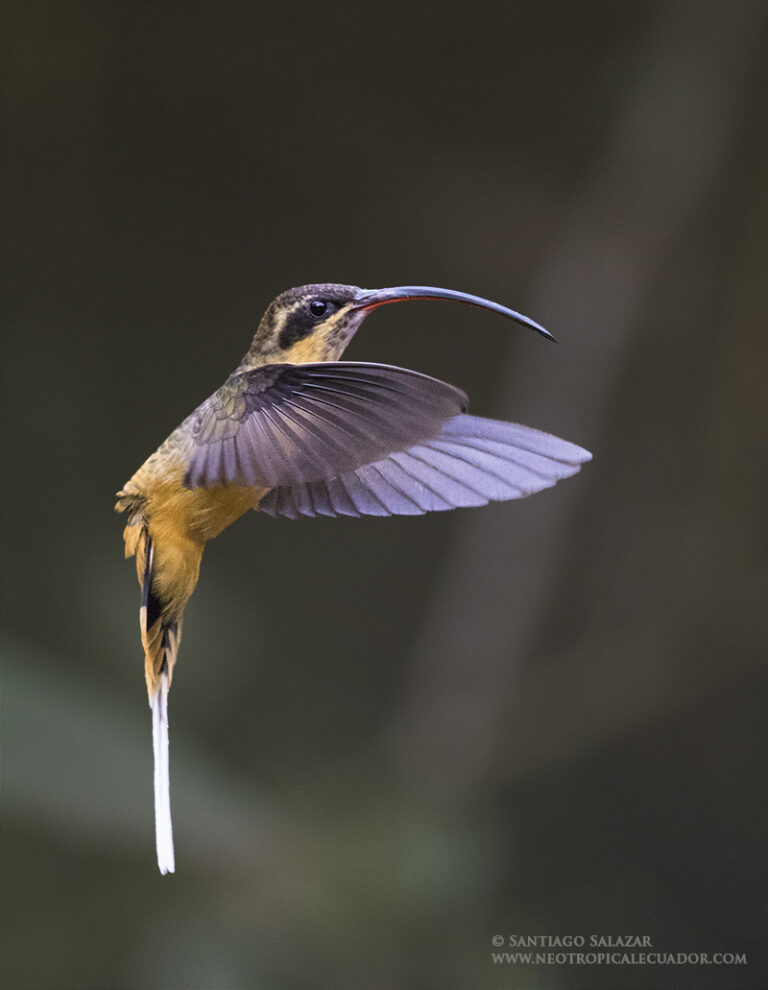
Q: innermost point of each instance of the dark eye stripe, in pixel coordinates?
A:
(298, 325)
(301, 321)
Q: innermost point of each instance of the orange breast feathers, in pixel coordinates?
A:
(180, 521)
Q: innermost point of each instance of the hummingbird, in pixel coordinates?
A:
(296, 432)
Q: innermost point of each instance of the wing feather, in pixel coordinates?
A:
(286, 425)
(471, 462)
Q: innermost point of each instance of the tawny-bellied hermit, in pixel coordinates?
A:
(295, 432)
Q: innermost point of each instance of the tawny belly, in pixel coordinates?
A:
(201, 513)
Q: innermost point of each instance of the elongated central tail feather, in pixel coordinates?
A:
(163, 828)
(168, 557)
(160, 618)
(160, 639)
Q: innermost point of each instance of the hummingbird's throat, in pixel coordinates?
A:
(328, 341)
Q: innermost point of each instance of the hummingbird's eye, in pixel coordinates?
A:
(318, 307)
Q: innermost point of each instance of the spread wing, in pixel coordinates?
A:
(287, 425)
(472, 461)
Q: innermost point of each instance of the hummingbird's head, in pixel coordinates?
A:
(316, 322)
(309, 323)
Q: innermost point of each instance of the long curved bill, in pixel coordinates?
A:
(369, 299)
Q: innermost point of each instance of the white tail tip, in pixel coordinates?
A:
(163, 828)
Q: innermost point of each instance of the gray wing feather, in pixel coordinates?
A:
(471, 462)
(286, 425)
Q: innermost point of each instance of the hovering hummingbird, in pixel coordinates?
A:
(295, 432)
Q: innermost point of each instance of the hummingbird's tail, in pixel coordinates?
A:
(160, 637)
(167, 564)
(159, 620)
(158, 702)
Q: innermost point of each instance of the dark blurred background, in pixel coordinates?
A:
(391, 739)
